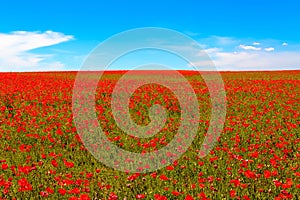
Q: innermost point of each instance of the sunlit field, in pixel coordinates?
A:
(257, 155)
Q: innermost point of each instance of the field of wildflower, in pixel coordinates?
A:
(257, 155)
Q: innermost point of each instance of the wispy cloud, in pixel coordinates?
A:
(269, 49)
(257, 60)
(249, 47)
(261, 55)
(16, 47)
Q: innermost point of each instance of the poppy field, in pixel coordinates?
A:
(257, 155)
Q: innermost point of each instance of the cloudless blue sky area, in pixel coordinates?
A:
(91, 22)
(97, 20)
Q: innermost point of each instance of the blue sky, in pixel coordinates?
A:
(237, 35)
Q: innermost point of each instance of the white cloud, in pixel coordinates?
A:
(250, 60)
(248, 47)
(269, 49)
(256, 60)
(212, 50)
(232, 56)
(218, 41)
(15, 50)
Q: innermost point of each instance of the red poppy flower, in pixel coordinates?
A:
(189, 197)
(267, 174)
(176, 193)
(54, 163)
(163, 177)
(160, 197)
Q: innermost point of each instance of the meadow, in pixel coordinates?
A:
(257, 155)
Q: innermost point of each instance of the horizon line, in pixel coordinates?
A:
(126, 70)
